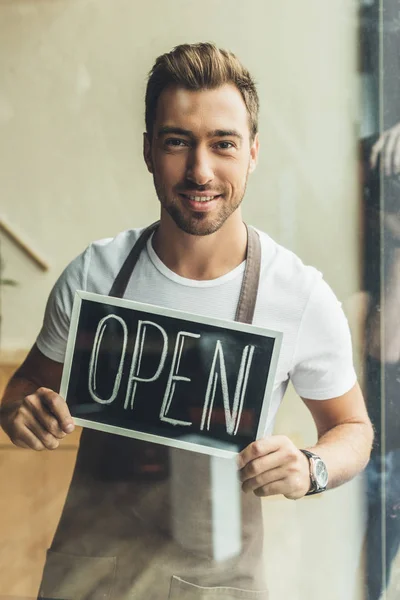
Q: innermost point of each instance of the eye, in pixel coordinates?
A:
(225, 145)
(175, 142)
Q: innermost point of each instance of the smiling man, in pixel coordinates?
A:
(114, 538)
(200, 174)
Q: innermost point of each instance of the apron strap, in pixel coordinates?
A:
(248, 293)
(249, 289)
(122, 279)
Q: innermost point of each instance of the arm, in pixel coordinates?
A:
(32, 414)
(275, 466)
(345, 434)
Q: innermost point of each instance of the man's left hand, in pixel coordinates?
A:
(274, 466)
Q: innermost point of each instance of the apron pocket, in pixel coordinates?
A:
(182, 590)
(67, 577)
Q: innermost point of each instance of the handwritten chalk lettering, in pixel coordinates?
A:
(168, 376)
(173, 377)
(232, 418)
(137, 360)
(217, 375)
(95, 355)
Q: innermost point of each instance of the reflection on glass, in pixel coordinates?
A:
(380, 154)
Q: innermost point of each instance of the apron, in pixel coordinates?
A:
(115, 539)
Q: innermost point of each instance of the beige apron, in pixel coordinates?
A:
(114, 540)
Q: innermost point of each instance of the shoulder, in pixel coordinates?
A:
(93, 270)
(98, 265)
(112, 250)
(294, 298)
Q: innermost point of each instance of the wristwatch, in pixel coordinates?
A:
(318, 473)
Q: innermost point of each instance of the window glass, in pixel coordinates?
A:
(108, 515)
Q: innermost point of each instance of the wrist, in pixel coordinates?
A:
(318, 473)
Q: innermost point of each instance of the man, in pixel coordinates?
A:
(201, 144)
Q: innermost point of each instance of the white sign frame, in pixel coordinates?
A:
(228, 450)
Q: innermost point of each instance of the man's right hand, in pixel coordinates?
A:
(40, 421)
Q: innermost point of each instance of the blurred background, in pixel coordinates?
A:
(72, 82)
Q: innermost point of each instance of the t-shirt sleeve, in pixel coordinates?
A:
(53, 336)
(322, 367)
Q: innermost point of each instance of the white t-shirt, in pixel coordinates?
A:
(316, 353)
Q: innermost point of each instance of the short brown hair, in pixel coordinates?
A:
(198, 67)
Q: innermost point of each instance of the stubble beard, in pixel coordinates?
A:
(198, 223)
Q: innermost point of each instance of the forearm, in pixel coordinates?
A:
(345, 449)
(17, 388)
(35, 372)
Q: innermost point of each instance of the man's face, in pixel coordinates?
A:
(200, 156)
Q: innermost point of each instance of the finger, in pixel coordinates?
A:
(33, 405)
(388, 152)
(266, 463)
(21, 444)
(396, 157)
(45, 439)
(47, 420)
(376, 150)
(257, 449)
(25, 438)
(271, 489)
(58, 407)
(291, 489)
(263, 479)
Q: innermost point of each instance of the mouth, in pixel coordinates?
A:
(200, 202)
(200, 197)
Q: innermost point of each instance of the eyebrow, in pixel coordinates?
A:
(215, 133)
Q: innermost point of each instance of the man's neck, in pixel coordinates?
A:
(201, 257)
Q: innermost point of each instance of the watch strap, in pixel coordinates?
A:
(315, 488)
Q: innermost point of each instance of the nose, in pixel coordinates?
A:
(199, 167)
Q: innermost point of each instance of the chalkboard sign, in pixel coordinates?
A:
(168, 376)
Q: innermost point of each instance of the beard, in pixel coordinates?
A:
(198, 223)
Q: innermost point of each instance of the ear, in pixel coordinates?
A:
(254, 149)
(147, 152)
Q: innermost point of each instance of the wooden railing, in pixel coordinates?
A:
(23, 245)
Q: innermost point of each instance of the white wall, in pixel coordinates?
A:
(72, 81)
(71, 118)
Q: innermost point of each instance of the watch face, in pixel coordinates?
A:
(321, 473)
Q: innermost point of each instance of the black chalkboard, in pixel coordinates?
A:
(168, 376)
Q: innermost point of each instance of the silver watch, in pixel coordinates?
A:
(318, 473)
